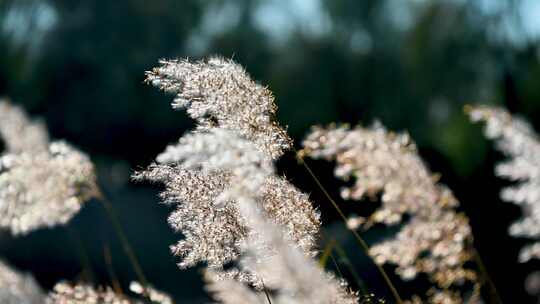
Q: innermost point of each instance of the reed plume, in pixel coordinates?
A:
(154, 295)
(81, 293)
(66, 293)
(221, 97)
(516, 139)
(435, 240)
(218, 93)
(42, 184)
(272, 261)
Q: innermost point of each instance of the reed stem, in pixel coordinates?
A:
(494, 294)
(87, 272)
(110, 269)
(113, 217)
(357, 236)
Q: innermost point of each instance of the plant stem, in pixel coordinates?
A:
(486, 277)
(358, 238)
(326, 253)
(333, 245)
(113, 217)
(343, 256)
(336, 264)
(266, 293)
(110, 269)
(87, 272)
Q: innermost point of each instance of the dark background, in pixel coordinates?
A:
(412, 64)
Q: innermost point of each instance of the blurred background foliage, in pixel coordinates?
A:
(412, 64)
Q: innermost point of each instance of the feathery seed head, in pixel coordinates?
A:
(42, 184)
(218, 93)
(219, 167)
(154, 295)
(270, 259)
(206, 172)
(43, 189)
(222, 150)
(380, 161)
(515, 138)
(68, 293)
(435, 240)
(65, 293)
(222, 179)
(444, 240)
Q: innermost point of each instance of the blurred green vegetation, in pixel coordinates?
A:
(412, 64)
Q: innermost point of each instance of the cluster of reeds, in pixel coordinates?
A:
(255, 233)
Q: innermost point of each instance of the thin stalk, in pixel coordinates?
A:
(266, 293)
(358, 238)
(343, 256)
(487, 278)
(333, 245)
(87, 272)
(113, 217)
(481, 266)
(336, 264)
(326, 253)
(110, 269)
